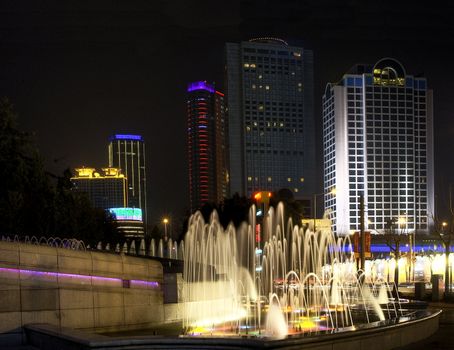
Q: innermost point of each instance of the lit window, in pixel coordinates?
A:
(267, 87)
(260, 107)
(302, 179)
(260, 76)
(246, 65)
(269, 178)
(295, 189)
(289, 179)
(300, 84)
(252, 65)
(254, 86)
(249, 178)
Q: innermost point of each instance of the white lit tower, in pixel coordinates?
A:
(378, 143)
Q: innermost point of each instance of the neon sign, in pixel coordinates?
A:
(127, 214)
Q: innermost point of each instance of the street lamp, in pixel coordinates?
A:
(165, 222)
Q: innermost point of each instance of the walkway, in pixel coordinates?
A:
(444, 337)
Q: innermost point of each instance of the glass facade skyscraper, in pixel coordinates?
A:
(271, 119)
(127, 152)
(378, 143)
(206, 145)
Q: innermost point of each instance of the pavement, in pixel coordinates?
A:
(444, 337)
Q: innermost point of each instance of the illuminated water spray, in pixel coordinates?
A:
(296, 281)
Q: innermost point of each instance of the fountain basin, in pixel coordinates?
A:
(383, 335)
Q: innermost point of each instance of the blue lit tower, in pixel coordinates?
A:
(206, 144)
(271, 119)
(127, 152)
(378, 143)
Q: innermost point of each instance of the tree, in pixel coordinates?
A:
(293, 208)
(445, 232)
(393, 239)
(74, 216)
(25, 190)
(31, 205)
(234, 210)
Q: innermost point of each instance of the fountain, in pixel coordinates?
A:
(296, 282)
(267, 284)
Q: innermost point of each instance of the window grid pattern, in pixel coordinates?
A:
(386, 133)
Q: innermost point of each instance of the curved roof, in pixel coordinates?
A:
(392, 63)
(269, 40)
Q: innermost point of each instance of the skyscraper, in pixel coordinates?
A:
(127, 152)
(378, 143)
(270, 113)
(105, 189)
(206, 144)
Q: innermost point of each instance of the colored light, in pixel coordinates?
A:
(127, 214)
(117, 281)
(127, 137)
(200, 85)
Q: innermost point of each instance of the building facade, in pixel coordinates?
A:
(271, 118)
(378, 143)
(129, 221)
(105, 189)
(127, 152)
(206, 137)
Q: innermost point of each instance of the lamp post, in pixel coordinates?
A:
(165, 222)
(362, 233)
(446, 237)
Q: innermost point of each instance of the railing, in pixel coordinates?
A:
(160, 249)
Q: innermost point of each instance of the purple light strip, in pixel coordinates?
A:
(126, 137)
(143, 283)
(36, 273)
(200, 85)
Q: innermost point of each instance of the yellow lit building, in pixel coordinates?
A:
(106, 188)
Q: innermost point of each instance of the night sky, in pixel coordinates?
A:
(78, 71)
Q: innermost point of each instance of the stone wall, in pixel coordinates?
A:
(76, 289)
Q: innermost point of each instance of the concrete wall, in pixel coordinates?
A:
(76, 289)
(373, 338)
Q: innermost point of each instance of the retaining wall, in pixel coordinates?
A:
(76, 289)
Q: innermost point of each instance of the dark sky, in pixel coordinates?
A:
(78, 71)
